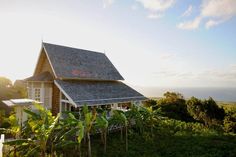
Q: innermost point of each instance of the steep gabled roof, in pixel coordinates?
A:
(98, 92)
(71, 63)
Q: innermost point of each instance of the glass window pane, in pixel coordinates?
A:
(37, 94)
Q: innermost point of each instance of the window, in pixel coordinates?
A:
(37, 94)
(65, 107)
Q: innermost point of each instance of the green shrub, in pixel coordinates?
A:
(230, 122)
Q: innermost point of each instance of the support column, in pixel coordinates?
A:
(55, 100)
(1, 145)
(42, 93)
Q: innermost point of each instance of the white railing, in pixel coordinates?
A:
(1, 144)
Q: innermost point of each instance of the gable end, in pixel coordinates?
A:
(43, 64)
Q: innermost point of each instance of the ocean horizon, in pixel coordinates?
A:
(227, 94)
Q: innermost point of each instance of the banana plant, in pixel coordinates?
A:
(135, 118)
(70, 127)
(40, 126)
(102, 125)
(150, 117)
(89, 119)
(119, 118)
(125, 121)
(14, 130)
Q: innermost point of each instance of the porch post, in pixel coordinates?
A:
(1, 145)
(60, 102)
(42, 94)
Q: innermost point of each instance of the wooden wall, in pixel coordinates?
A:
(43, 64)
(55, 100)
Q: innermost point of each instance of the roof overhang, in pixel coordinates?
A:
(42, 77)
(68, 97)
(93, 93)
(20, 102)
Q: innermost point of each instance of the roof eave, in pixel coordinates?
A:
(40, 52)
(145, 99)
(122, 78)
(68, 97)
(87, 79)
(45, 50)
(41, 81)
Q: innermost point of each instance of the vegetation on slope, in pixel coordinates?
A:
(155, 134)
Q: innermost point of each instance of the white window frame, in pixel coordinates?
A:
(37, 94)
(63, 101)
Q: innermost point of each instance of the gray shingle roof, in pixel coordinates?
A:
(44, 76)
(72, 63)
(99, 92)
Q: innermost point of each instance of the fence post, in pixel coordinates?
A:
(1, 145)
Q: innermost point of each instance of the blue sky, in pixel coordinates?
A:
(174, 43)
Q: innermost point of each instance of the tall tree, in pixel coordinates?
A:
(207, 111)
(5, 82)
(173, 106)
(195, 108)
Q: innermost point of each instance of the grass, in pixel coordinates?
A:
(168, 146)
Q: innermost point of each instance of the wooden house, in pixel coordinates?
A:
(66, 78)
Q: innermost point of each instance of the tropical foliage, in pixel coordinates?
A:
(195, 128)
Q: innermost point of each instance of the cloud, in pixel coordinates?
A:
(220, 74)
(154, 16)
(107, 3)
(166, 73)
(211, 23)
(233, 69)
(156, 7)
(219, 8)
(134, 7)
(214, 12)
(233, 66)
(226, 75)
(167, 56)
(188, 12)
(190, 25)
(218, 11)
(173, 74)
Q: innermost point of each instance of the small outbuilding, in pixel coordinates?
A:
(19, 105)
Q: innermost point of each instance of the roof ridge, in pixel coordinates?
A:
(73, 48)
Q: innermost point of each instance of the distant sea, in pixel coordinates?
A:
(217, 93)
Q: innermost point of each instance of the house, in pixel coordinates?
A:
(66, 78)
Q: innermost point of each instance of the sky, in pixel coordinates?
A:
(153, 43)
